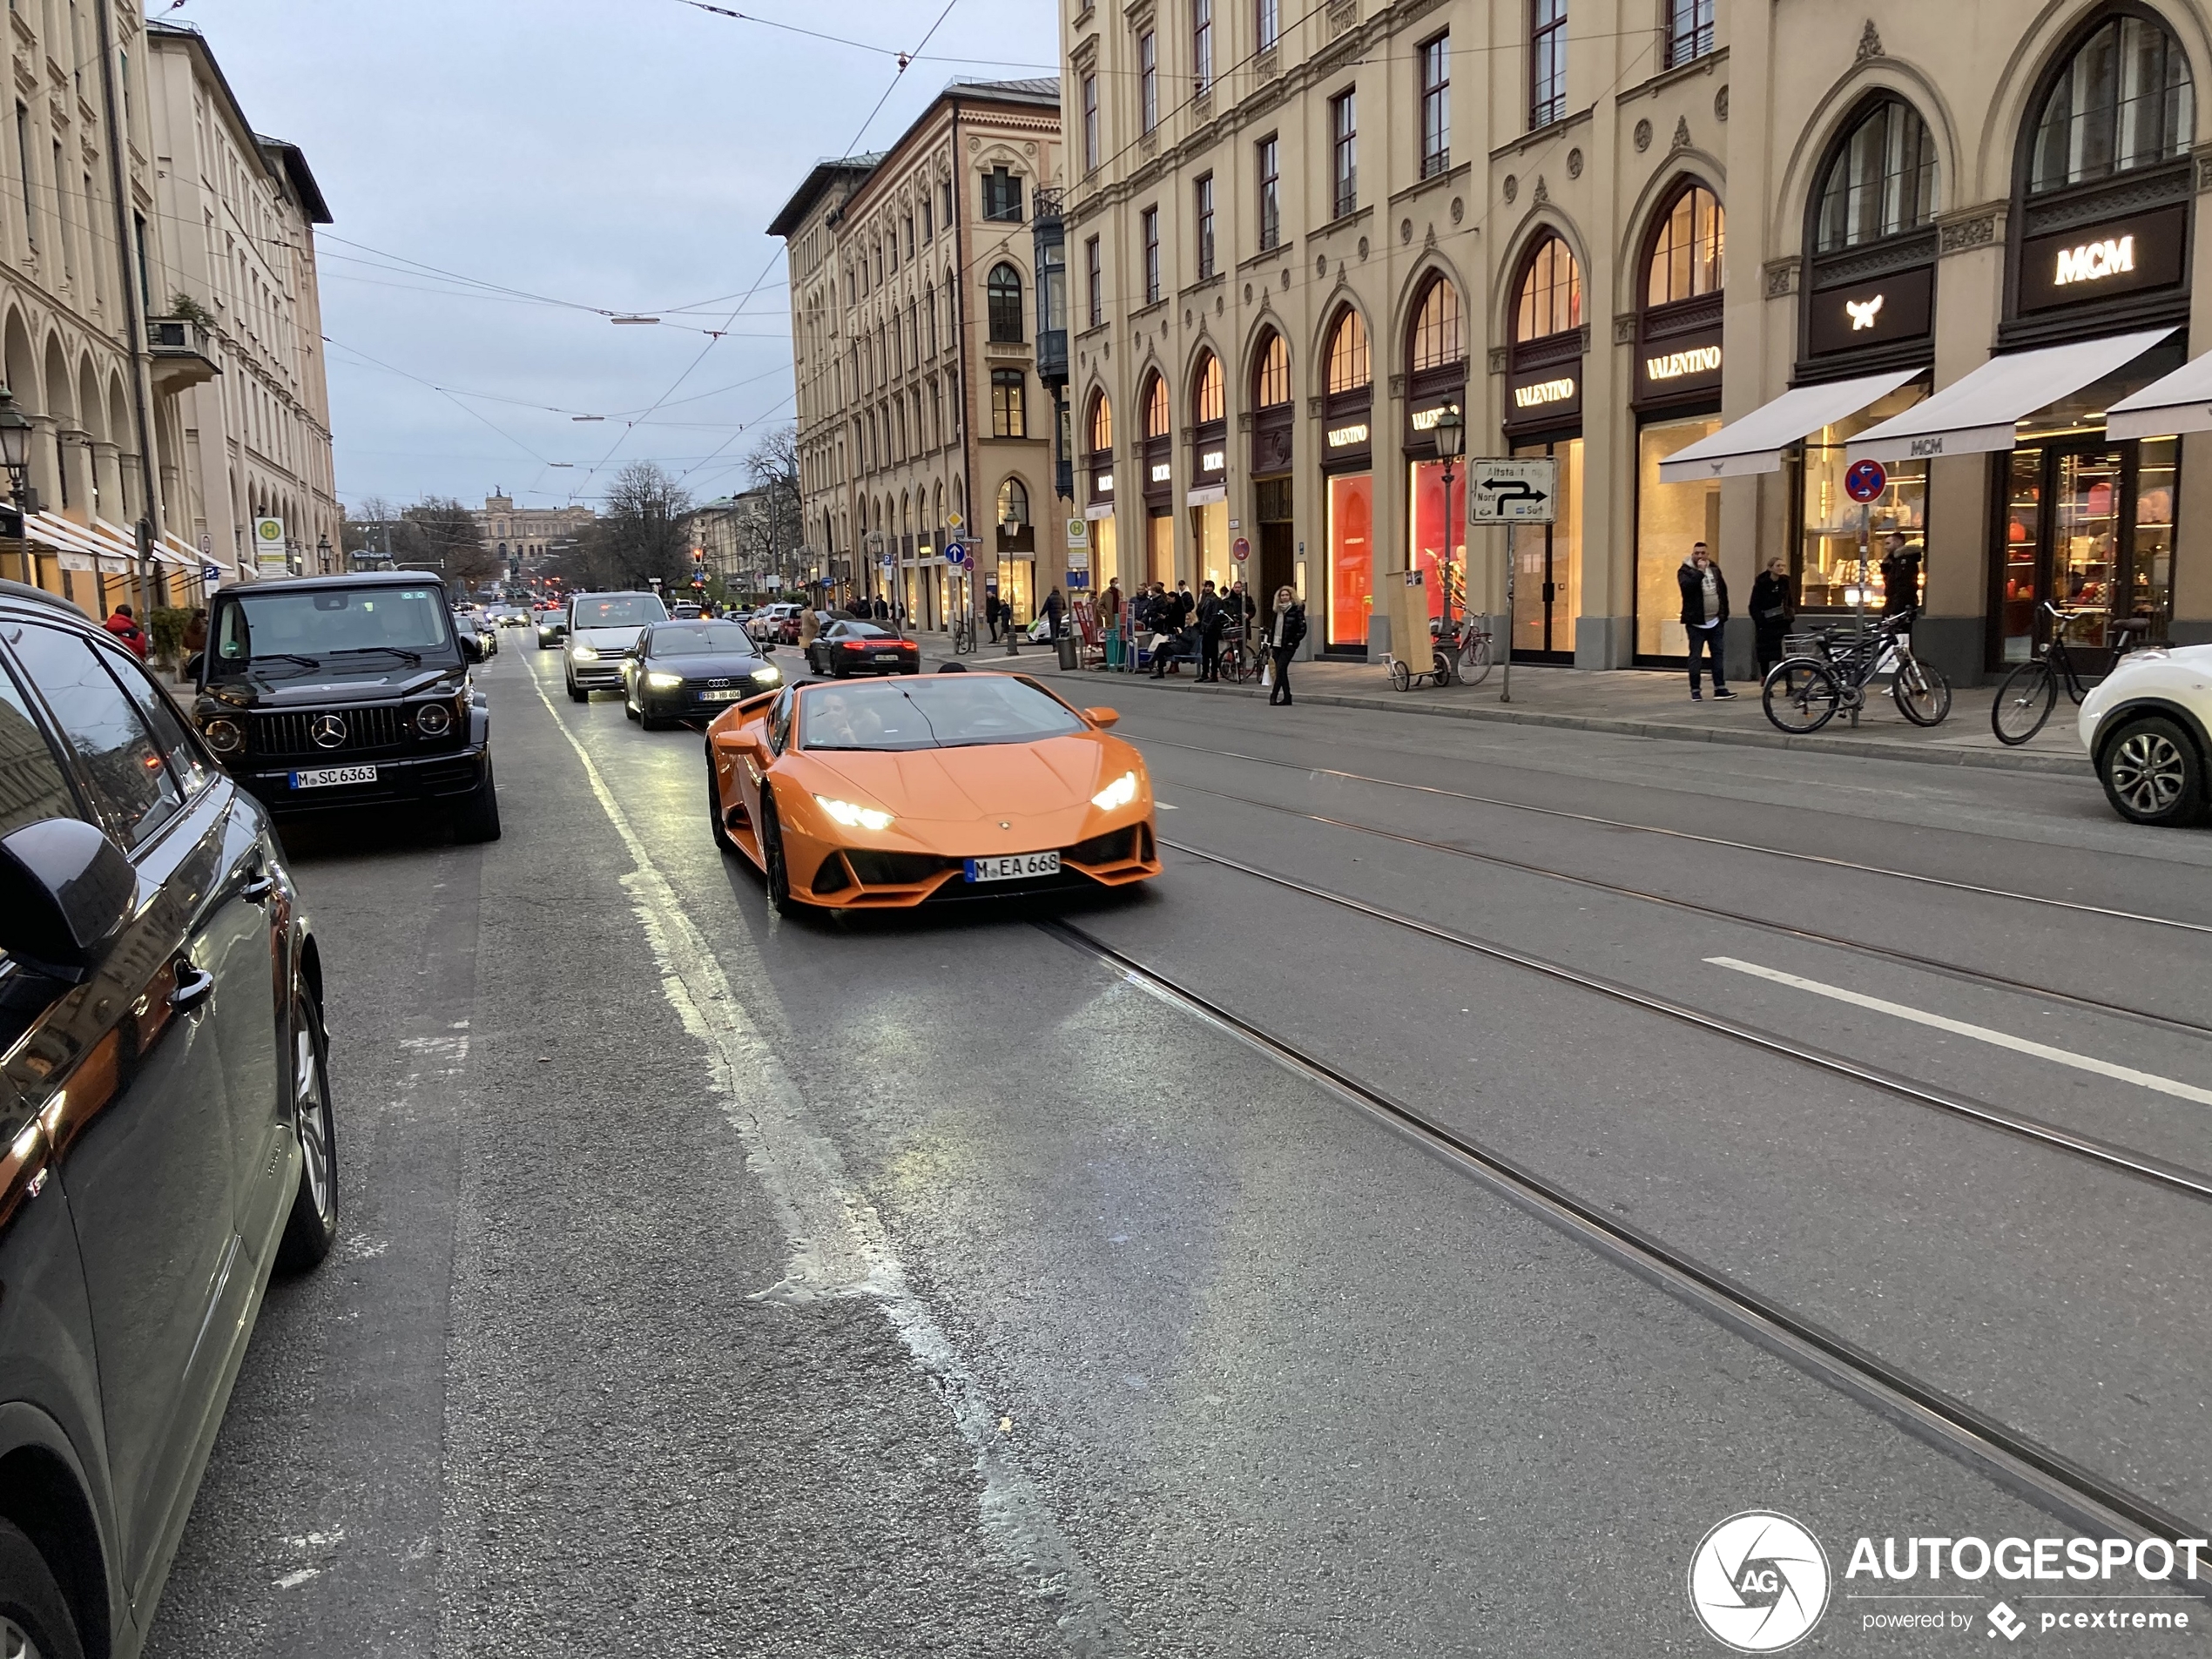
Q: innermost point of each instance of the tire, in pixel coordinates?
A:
(1440, 669)
(775, 873)
(475, 815)
(312, 1226)
(578, 694)
(721, 831)
(1921, 693)
(2152, 772)
(2024, 702)
(651, 721)
(32, 1606)
(1400, 676)
(630, 709)
(1801, 696)
(1475, 664)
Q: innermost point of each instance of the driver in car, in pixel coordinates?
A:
(831, 722)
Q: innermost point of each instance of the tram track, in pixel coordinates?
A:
(1911, 958)
(2018, 1461)
(1791, 854)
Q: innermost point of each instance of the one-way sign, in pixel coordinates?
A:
(1512, 492)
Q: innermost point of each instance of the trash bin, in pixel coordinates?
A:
(1066, 646)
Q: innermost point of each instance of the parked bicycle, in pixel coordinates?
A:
(1463, 654)
(1239, 662)
(2028, 694)
(963, 637)
(1804, 693)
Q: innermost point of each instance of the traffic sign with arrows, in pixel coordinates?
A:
(1512, 492)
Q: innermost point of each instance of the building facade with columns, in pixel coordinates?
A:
(914, 334)
(1701, 254)
(511, 533)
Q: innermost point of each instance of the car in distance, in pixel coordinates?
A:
(551, 622)
(777, 624)
(693, 669)
(323, 694)
(167, 1140)
(602, 627)
(479, 634)
(2148, 727)
(847, 647)
(904, 791)
(684, 611)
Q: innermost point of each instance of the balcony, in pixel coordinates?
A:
(182, 357)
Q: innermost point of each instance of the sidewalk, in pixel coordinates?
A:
(1638, 703)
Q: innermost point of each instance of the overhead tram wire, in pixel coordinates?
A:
(864, 45)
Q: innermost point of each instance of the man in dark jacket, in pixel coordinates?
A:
(991, 611)
(1704, 616)
(1055, 608)
(1900, 577)
(1212, 616)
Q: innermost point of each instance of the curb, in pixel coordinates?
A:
(1859, 748)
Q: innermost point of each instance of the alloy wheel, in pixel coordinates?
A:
(15, 1642)
(2148, 772)
(314, 1108)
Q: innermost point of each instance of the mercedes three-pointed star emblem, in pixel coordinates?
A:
(328, 730)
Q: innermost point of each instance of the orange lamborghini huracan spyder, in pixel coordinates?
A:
(887, 793)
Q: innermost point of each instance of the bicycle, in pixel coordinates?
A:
(1803, 693)
(963, 637)
(2027, 695)
(1463, 655)
(1238, 663)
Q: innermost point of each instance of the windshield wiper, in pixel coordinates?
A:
(414, 658)
(285, 656)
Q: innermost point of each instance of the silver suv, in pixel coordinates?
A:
(603, 627)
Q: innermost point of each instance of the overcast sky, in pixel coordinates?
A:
(621, 154)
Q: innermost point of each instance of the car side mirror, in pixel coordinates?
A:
(1102, 717)
(65, 891)
(194, 664)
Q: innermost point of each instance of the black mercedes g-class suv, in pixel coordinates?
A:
(321, 694)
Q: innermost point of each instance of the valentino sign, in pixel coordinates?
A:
(1538, 393)
(1699, 359)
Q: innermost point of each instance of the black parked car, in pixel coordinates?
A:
(166, 1130)
(323, 693)
(694, 669)
(846, 647)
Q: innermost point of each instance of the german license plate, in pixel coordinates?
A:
(324, 777)
(729, 696)
(886, 656)
(1012, 867)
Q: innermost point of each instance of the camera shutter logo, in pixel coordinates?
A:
(1759, 1581)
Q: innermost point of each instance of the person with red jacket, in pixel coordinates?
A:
(125, 628)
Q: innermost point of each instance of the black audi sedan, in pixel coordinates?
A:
(846, 647)
(325, 693)
(167, 1140)
(693, 669)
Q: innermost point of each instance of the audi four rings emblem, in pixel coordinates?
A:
(328, 730)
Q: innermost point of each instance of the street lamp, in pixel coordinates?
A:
(1451, 432)
(322, 554)
(15, 448)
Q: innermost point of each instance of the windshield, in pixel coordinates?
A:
(867, 630)
(700, 639)
(620, 611)
(323, 621)
(952, 713)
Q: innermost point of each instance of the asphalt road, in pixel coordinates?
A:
(715, 1284)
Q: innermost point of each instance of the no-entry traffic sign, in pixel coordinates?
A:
(1866, 481)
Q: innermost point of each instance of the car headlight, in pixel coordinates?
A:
(768, 674)
(1120, 792)
(434, 720)
(853, 817)
(225, 736)
(583, 654)
(663, 682)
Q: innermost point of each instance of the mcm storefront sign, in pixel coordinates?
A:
(2130, 255)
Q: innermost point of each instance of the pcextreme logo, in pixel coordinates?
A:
(1759, 1581)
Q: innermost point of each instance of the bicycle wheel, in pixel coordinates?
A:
(1801, 696)
(1922, 694)
(1401, 677)
(1475, 660)
(2024, 702)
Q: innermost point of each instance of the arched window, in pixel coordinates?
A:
(1687, 254)
(1002, 298)
(2123, 101)
(1550, 300)
(1102, 424)
(1881, 181)
(1437, 340)
(1157, 417)
(1348, 369)
(1206, 395)
(1013, 502)
(1271, 378)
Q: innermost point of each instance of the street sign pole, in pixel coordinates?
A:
(1504, 681)
(1864, 483)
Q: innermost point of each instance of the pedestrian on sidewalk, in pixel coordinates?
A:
(1109, 621)
(1704, 616)
(991, 613)
(882, 609)
(1055, 608)
(195, 639)
(810, 626)
(1213, 616)
(1900, 576)
(124, 626)
(1771, 609)
(1285, 632)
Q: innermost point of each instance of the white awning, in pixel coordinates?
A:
(2180, 403)
(1755, 442)
(1976, 414)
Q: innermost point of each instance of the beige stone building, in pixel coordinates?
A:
(913, 333)
(510, 532)
(237, 215)
(1609, 230)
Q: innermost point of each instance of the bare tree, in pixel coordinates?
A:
(773, 463)
(641, 533)
(440, 532)
(366, 525)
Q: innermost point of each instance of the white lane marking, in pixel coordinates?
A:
(293, 1580)
(839, 1245)
(1980, 1033)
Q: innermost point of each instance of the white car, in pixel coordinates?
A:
(602, 627)
(2148, 727)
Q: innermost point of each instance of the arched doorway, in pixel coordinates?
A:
(1436, 377)
(1098, 470)
(1347, 467)
(1208, 496)
(1159, 479)
(1544, 421)
(1274, 428)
